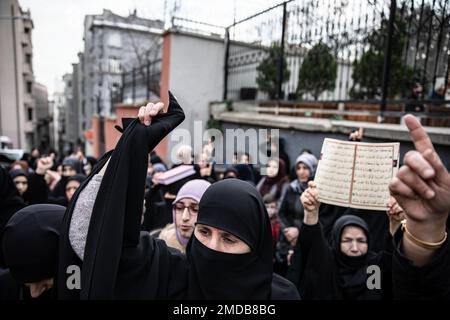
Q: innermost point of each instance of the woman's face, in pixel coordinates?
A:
(186, 211)
(87, 169)
(203, 160)
(220, 240)
(353, 241)
(68, 171)
(272, 169)
(303, 172)
(271, 209)
(245, 159)
(71, 187)
(35, 153)
(21, 183)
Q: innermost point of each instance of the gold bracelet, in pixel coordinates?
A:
(420, 243)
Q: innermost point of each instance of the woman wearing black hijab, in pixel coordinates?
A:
(10, 201)
(339, 272)
(29, 247)
(120, 263)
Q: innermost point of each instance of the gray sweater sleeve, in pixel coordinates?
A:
(81, 216)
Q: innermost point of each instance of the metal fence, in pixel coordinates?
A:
(376, 51)
(140, 84)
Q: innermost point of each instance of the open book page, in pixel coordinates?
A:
(334, 172)
(356, 174)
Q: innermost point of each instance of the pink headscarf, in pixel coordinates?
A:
(193, 189)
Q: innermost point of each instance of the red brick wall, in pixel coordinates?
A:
(95, 137)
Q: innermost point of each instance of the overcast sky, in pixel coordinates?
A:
(58, 25)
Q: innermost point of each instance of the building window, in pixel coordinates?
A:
(28, 58)
(114, 65)
(29, 87)
(26, 30)
(114, 40)
(30, 114)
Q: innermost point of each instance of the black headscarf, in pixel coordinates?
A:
(74, 163)
(245, 173)
(30, 242)
(218, 275)
(230, 169)
(352, 271)
(78, 177)
(10, 201)
(17, 173)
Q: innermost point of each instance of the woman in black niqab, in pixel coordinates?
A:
(326, 273)
(236, 207)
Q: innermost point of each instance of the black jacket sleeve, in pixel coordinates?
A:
(116, 216)
(37, 189)
(428, 282)
(283, 212)
(312, 264)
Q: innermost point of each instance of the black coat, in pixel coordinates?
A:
(429, 282)
(37, 191)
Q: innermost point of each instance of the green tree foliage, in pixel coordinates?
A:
(368, 71)
(318, 71)
(267, 77)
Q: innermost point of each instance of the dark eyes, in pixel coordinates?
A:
(226, 238)
(229, 240)
(362, 241)
(203, 231)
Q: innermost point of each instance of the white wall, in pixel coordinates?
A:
(195, 75)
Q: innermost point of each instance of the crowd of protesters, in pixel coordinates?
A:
(215, 234)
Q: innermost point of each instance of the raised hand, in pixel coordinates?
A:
(291, 234)
(44, 164)
(422, 189)
(146, 113)
(309, 199)
(422, 185)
